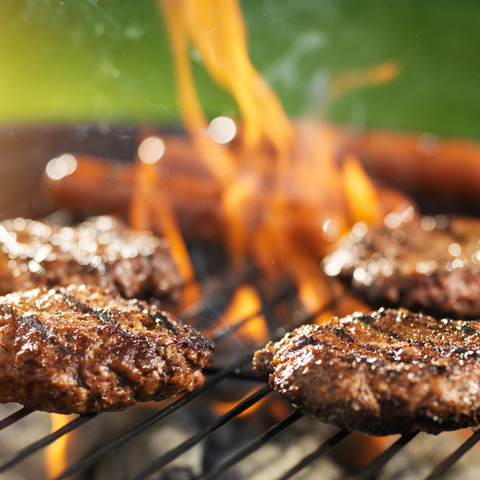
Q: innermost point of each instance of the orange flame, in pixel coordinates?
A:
(56, 453)
(345, 82)
(246, 303)
(221, 408)
(217, 30)
(285, 197)
(150, 201)
(362, 198)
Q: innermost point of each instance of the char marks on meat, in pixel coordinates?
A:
(424, 264)
(101, 251)
(84, 349)
(387, 372)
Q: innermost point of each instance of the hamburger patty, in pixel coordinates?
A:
(387, 372)
(101, 251)
(427, 265)
(84, 349)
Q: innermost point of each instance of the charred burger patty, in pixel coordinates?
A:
(387, 372)
(100, 251)
(424, 264)
(84, 349)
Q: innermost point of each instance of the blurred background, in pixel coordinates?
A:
(70, 62)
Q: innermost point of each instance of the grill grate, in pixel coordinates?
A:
(192, 441)
(15, 417)
(316, 454)
(448, 462)
(235, 370)
(383, 458)
(14, 459)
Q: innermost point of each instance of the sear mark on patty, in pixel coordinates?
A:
(103, 316)
(34, 322)
(341, 333)
(389, 372)
(157, 318)
(469, 330)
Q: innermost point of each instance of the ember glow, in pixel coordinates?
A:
(222, 407)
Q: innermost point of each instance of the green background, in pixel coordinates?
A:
(87, 61)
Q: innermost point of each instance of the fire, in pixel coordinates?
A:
(281, 192)
(216, 29)
(56, 453)
(246, 303)
(347, 81)
(362, 198)
(363, 449)
(284, 197)
(150, 202)
(221, 408)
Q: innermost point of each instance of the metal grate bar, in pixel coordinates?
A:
(316, 454)
(267, 304)
(220, 335)
(204, 433)
(384, 457)
(448, 462)
(12, 460)
(15, 417)
(263, 311)
(211, 304)
(229, 330)
(207, 310)
(123, 439)
(252, 446)
(238, 374)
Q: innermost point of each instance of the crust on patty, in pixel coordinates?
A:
(84, 349)
(424, 264)
(391, 371)
(101, 251)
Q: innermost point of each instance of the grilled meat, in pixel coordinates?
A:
(84, 349)
(387, 372)
(421, 265)
(101, 251)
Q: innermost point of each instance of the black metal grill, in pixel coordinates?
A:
(241, 371)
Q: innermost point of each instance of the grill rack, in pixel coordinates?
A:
(235, 371)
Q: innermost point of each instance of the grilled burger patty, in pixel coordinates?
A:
(101, 251)
(387, 372)
(421, 265)
(84, 349)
